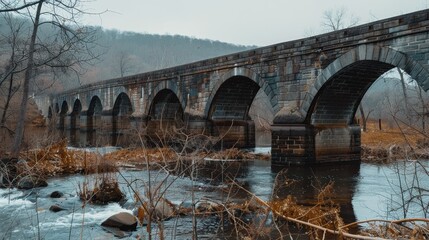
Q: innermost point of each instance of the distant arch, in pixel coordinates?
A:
(93, 120)
(122, 106)
(121, 113)
(63, 114)
(75, 123)
(64, 108)
(50, 114)
(95, 106)
(77, 107)
(56, 108)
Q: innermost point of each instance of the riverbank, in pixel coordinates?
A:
(392, 144)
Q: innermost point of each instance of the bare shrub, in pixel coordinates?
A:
(105, 189)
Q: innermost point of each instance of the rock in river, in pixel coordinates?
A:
(29, 182)
(56, 194)
(56, 208)
(123, 220)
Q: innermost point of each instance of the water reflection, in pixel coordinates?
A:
(305, 183)
(269, 182)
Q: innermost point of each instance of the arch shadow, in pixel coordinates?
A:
(93, 121)
(75, 123)
(162, 87)
(241, 73)
(121, 122)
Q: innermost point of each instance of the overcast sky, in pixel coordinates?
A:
(245, 22)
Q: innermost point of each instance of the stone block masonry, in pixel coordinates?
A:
(313, 86)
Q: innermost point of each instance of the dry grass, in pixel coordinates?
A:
(56, 159)
(392, 143)
(389, 136)
(325, 213)
(141, 155)
(105, 189)
(237, 154)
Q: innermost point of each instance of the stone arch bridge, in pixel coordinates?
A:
(314, 86)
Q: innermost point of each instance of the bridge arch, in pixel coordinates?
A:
(170, 86)
(63, 113)
(122, 105)
(233, 99)
(95, 107)
(166, 105)
(75, 122)
(93, 120)
(247, 75)
(77, 109)
(121, 114)
(349, 77)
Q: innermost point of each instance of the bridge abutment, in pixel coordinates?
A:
(292, 144)
(302, 144)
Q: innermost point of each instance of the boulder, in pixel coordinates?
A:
(29, 182)
(56, 208)
(123, 220)
(56, 194)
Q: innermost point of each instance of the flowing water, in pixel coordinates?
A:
(364, 191)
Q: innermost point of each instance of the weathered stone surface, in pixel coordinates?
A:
(123, 220)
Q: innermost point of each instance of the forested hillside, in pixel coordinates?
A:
(126, 53)
(121, 53)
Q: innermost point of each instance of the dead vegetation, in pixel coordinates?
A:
(103, 190)
(57, 159)
(237, 154)
(324, 213)
(168, 155)
(391, 143)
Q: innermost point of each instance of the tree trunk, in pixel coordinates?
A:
(404, 93)
(424, 111)
(8, 98)
(362, 114)
(19, 132)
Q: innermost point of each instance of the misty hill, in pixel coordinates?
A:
(127, 53)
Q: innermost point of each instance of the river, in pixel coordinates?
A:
(364, 191)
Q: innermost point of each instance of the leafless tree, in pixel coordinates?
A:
(65, 50)
(14, 50)
(334, 20)
(125, 64)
